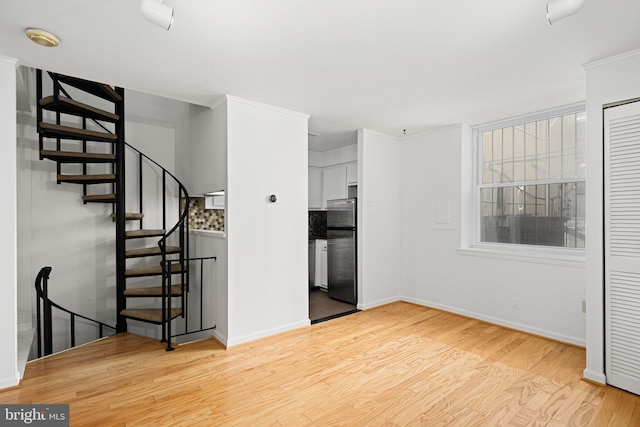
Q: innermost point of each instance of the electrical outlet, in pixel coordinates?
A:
(515, 303)
(583, 306)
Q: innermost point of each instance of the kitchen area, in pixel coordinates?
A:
(332, 233)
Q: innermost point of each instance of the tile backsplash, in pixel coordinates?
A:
(317, 224)
(204, 219)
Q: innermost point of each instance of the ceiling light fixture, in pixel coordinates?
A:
(157, 12)
(559, 9)
(42, 37)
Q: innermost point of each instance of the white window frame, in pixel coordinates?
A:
(513, 249)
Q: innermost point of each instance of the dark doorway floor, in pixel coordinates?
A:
(322, 308)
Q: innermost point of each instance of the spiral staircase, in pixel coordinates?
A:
(84, 135)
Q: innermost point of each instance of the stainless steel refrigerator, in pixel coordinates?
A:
(342, 250)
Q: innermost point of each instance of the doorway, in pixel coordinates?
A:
(322, 307)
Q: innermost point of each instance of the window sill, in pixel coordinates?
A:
(563, 258)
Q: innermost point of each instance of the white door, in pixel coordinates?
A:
(622, 245)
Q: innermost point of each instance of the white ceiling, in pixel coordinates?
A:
(350, 64)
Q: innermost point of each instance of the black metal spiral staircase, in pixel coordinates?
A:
(85, 137)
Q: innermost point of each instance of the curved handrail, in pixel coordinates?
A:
(185, 212)
(179, 225)
(181, 186)
(42, 292)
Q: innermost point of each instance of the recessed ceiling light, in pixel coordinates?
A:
(42, 37)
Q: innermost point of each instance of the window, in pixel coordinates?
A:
(531, 182)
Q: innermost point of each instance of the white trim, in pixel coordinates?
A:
(531, 117)
(428, 132)
(8, 60)
(373, 132)
(267, 107)
(384, 301)
(218, 102)
(222, 338)
(501, 322)
(598, 377)
(560, 257)
(611, 59)
(267, 332)
(10, 382)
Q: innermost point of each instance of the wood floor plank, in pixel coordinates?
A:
(395, 365)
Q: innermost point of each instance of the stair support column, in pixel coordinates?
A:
(121, 301)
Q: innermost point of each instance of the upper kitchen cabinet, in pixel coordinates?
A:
(334, 183)
(315, 188)
(352, 173)
(331, 174)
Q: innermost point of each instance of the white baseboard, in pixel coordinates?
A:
(10, 381)
(502, 322)
(26, 339)
(378, 303)
(220, 337)
(598, 377)
(267, 332)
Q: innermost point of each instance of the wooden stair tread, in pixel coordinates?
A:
(153, 291)
(100, 90)
(151, 271)
(99, 198)
(71, 106)
(52, 130)
(87, 179)
(151, 315)
(134, 234)
(77, 157)
(129, 216)
(153, 251)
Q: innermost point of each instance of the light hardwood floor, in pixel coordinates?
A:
(399, 364)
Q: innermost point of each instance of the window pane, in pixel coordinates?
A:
(487, 157)
(507, 154)
(518, 153)
(530, 151)
(569, 146)
(535, 213)
(542, 157)
(543, 215)
(555, 148)
(497, 155)
(580, 144)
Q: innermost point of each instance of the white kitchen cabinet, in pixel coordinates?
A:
(334, 183)
(321, 263)
(315, 188)
(352, 173)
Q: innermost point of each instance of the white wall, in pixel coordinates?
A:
(207, 244)
(267, 242)
(435, 167)
(9, 375)
(608, 81)
(207, 171)
(379, 205)
(207, 149)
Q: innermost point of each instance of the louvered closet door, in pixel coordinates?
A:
(622, 246)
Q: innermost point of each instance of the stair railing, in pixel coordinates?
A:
(181, 226)
(180, 229)
(44, 316)
(185, 300)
